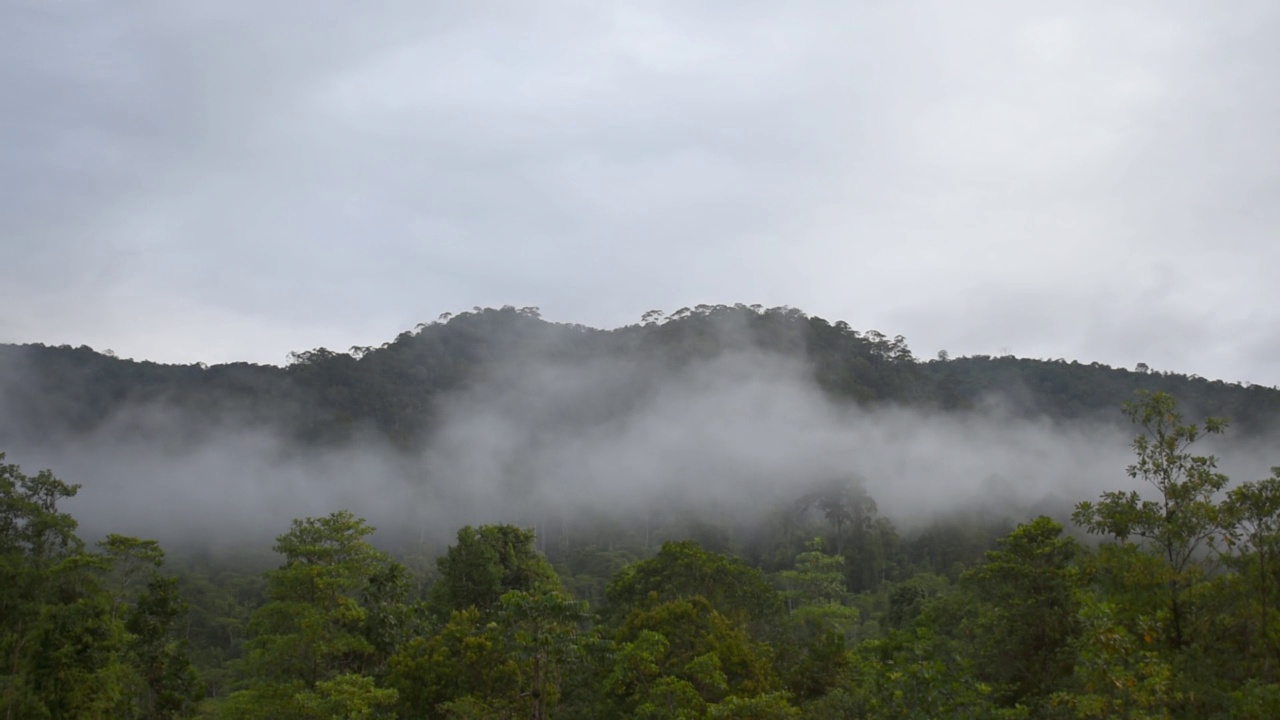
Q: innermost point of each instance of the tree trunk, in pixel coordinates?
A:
(539, 704)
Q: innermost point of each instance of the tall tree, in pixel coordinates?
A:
(1183, 516)
(1252, 511)
(170, 685)
(684, 570)
(487, 562)
(58, 646)
(546, 632)
(1027, 610)
(311, 642)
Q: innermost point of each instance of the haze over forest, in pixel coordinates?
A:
(775, 515)
(498, 415)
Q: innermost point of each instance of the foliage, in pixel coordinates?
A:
(682, 570)
(488, 562)
(1025, 612)
(314, 638)
(84, 635)
(1185, 515)
(325, 396)
(1172, 615)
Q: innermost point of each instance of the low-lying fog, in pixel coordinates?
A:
(541, 440)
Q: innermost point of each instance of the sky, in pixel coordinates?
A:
(199, 181)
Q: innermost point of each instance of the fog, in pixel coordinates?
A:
(539, 440)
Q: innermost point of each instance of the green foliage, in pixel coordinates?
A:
(815, 592)
(1184, 515)
(350, 696)
(464, 662)
(326, 396)
(487, 562)
(1256, 700)
(1175, 619)
(1024, 617)
(682, 658)
(316, 628)
(693, 629)
(1119, 672)
(910, 675)
(1252, 514)
(547, 632)
(170, 685)
(769, 706)
(84, 635)
(682, 570)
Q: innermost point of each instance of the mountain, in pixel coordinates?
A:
(395, 389)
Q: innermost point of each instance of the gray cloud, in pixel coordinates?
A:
(1082, 180)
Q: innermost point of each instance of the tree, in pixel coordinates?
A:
(676, 658)
(487, 562)
(683, 570)
(170, 684)
(1252, 512)
(547, 633)
(1118, 672)
(844, 502)
(909, 676)
(1026, 617)
(132, 561)
(84, 635)
(312, 639)
(59, 648)
(1184, 515)
(815, 591)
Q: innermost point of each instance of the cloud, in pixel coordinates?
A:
(191, 183)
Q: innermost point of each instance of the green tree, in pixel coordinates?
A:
(1119, 671)
(1184, 516)
(820, 619)
(815, 591)
(60, 648)
(680, 657)
(487, 562)
(1026, 615)
(463, 667)
(845, 504)
(1252, 511)
(547, 633)
(311, 641)
(684, 570)
(170, 685)
(909, 676)
(132, 564)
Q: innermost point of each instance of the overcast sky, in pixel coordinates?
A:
(229, 180)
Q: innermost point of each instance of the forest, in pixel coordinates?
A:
(327, 396)
(785, 588)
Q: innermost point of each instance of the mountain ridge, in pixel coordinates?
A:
(393, 389)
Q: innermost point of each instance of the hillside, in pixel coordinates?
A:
(394, 389)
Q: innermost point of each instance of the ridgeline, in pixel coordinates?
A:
(327, 396)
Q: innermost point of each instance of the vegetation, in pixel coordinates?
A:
(324, 396)
(1157, 603)
(1172, 615)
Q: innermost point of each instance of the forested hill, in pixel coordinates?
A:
(394, 389)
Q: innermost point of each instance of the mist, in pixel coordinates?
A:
(539, 439)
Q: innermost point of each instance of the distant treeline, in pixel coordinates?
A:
(392, 390)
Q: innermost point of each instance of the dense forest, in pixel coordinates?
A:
(1154, 600)
(330, 396)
